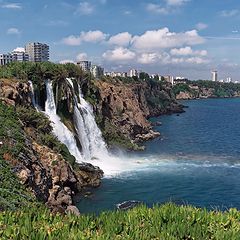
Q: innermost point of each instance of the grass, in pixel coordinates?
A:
(160, 222)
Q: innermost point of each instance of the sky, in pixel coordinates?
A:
(186, 38)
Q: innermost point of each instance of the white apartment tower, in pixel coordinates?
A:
(214, 76)
(229, 79)
(38, 52)
(20, 55)
(97, 71)
(133, 73)
(6, 59)
(85, 65)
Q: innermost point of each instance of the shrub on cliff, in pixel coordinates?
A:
(12, 194)
(41, 125)
(32, 118)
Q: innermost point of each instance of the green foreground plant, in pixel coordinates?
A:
(160, 222)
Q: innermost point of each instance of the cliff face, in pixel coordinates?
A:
(35, 155)
(195, 93)
(127, 107)
(14, 92)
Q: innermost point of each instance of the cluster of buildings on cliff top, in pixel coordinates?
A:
(39, 52)
(215, 78)
(33, 52)
(98, 71)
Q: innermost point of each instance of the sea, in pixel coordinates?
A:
(195, 161)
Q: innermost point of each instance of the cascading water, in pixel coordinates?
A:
(97, 144)
(89, 134)
(94, 149)
(37, 107)
(59, 129)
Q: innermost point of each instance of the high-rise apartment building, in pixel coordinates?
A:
(38, 52)
(85, 65)
(133, 73)
(229, 79)
(97, 71)
(20, 55)
(6, 59)
(214, 76)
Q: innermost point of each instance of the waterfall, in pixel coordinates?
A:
(97, 144)
(63, 134)
(89, 134)
(37, 107)
(94, 149)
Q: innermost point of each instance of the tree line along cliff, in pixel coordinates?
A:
(206, 89)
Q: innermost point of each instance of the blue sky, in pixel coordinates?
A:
(179, 37)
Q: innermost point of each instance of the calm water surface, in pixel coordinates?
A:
(195, 161)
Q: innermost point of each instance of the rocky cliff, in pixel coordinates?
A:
(41, 163)
(123, 109)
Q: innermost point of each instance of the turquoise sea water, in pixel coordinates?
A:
(195, 161)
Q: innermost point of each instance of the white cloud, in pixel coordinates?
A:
(156, 8)
(66, 61)
(13, 31)
(163, 38)
(176, 2)
(187, 51)
(229, 13)
(196, 60)
(167, 8)
(191, 60)
(201, 26)
(82, 57)
(157, 47)
(72, 40)
(85, 8)
(148, 58)
(121, 39)
(119, 55)
(91, 36)
(16, 6)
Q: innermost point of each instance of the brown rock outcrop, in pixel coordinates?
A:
(184, 96)
(125, 106)
(128, 106)
(14, 92)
